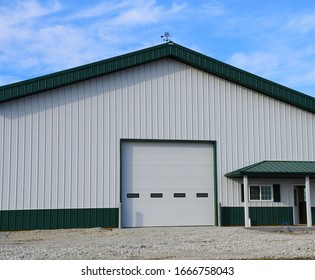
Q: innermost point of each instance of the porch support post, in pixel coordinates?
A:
(308, 201)
(246, 212)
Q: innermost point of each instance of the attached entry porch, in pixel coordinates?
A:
(274, 192)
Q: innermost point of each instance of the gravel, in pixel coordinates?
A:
(158, 243)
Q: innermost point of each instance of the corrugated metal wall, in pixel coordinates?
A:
(60, 149)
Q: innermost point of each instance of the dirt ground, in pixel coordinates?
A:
(159, 243)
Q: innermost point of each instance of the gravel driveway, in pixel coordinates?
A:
(158, 243)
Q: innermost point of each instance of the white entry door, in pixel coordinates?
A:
(167, 184)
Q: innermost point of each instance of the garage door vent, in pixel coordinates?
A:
(133, 195)
(202, 194)
(179, 195)
(156, 195)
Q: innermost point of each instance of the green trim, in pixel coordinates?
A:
(120, 178)
(313, 215)
(276, 169)
(126, 140)
(171, 50)
(265, 216)
(216, 210)
(58, 218)
(232, 216)
(260, 216)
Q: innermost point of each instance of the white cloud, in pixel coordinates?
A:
(61, 47)
(99, 10)
(146, 12)
(285, 66)
(23, 11)
(212, 9)
(260, 63)
(40, 37)
(302, 23)
(18, 23)
(305, 77)
(4, 80)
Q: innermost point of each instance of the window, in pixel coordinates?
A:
(263, 192)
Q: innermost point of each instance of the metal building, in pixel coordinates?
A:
(159, 137)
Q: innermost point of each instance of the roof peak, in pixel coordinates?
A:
(139, 57)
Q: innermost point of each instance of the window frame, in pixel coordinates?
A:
(260, 193)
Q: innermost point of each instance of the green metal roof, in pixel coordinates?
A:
(275, 169)
(171, 50)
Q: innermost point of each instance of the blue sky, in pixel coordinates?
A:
(273, 39)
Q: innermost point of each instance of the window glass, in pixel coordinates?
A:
(254, 193)
(265, 192)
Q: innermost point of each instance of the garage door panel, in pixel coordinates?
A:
(183, 171)
(168, 208)
(140, 220)
(163, 159)
(166, 183)
(167, 148)
(169, 193)
(167, 219)
(157, 205)
(166, 195)
(165, 169)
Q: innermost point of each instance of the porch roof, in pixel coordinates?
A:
(269, 168)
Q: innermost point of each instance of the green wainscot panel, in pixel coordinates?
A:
(234, 216)
(58, 218)
(261, 216)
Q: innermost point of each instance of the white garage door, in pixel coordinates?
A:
(167, 184)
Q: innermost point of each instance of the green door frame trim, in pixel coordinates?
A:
(214, 143)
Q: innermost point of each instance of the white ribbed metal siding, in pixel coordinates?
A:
(60, 149)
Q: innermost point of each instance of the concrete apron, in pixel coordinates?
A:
(283, 228)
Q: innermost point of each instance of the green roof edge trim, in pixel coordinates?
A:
(170, 49)
(81, 73)
(240, 172)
